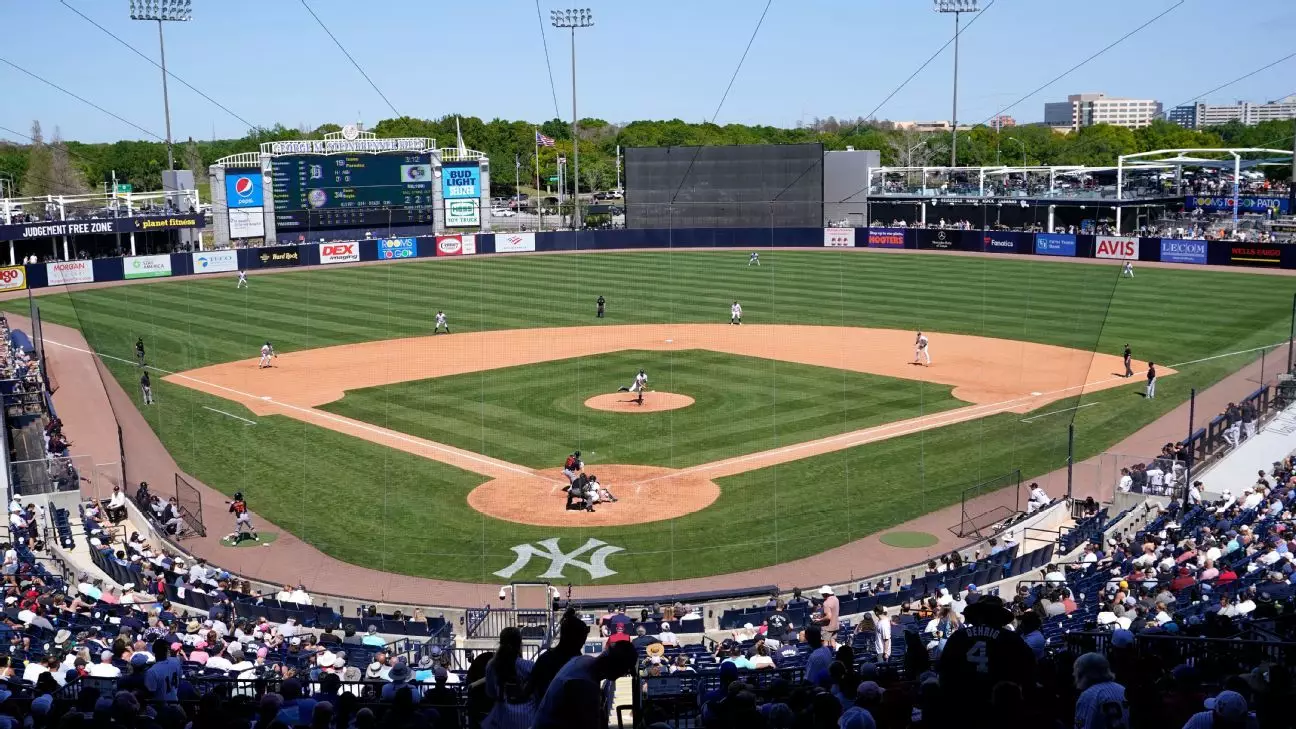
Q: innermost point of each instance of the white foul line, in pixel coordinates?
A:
(1055, 412)
(229, 415)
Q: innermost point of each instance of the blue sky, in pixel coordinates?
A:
(268, 61)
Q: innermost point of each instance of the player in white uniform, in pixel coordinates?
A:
(735, 313)
(441, 322)
(639, 385)
(1128, 270)
(242, 282)
(755, 258)
(267, 354)
(921, 349)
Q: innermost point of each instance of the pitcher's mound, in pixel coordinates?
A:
(644, 494)
(627, 402)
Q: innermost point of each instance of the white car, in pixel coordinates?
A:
(503, 213)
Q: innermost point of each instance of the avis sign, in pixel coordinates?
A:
(596, 565)
(339, 252)
(1120, 248)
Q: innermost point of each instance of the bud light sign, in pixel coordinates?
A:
(391, 248)
(460, 181)
(1183, 251)
(244, 189)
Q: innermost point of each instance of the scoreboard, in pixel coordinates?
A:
(352, 190)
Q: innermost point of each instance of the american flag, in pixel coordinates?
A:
(544, 141)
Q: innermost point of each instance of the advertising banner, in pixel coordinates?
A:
(1246, 203)
(137, 224)
(247, 222)
(515, 243)
(456, 245)
(1055, 244)
(943, 240)
(460, 181)
(463, 213)
(1255, 254)
(839, 237)
(215, 261)
(1119, 247)
(147, 266)
(69, 272)
(995, 241)
(13, 278)
(1183, 251)
(271, 258)
(339, 252)
(244, 188)
(390, 248)
(886, 237)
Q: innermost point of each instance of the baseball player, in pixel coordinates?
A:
(242, 519)
(600, 302)
(754, 259)
(1129, 360)
(139, 351)
(735, 313)
(572, 468)
(1150, 392)
(921, 349)
(639, 385)
(146, 388)
(1128, 270)
(242, 282)
(441, 322)
(267, 354)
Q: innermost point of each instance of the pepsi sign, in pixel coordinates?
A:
(244, 189)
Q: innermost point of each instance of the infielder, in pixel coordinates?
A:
(735, 313)
(755, 258)
(921, 350)
(146, 388)
(1150, 392)
(139, 351)
(639, 385)
(441, 322)
(267, 354)
(242, 282)
(1128, 270)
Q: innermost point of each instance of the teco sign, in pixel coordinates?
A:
(339, 252)
(13, 278)
(1125, 249)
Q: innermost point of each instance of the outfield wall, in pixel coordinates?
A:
(1168, 250)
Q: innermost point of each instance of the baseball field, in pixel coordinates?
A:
(808, 427)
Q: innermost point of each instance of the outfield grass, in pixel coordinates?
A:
(536, 413)
(376, 506)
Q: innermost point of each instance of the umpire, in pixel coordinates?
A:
(1129, 371)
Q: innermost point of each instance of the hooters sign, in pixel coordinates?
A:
(1120, 248)
(339, 252)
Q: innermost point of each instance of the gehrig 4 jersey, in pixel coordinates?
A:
(977, 657)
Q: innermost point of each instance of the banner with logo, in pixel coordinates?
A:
(147, 266)
(456, 245)
(13, 278)
(463, 213)
(886, 237)
(995, 241)
(948, 240)
(515, 243)
(1253, 254)
(215, 261)
(1121, 248)
(839, 237)
(247, 222)
(62, 273)
(460, 180)
(244, 188)
(1246, 203)
(1055, 244)
(344, 252)
(273, 258)
(1183, 251)
(55, 228)
(390, 248)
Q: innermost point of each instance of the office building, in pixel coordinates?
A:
(1085, 110)
(1198, 116)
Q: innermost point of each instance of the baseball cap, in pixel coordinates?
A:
(1122, 638)
(1228, 704)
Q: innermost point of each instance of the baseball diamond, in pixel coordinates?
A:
(809, 428)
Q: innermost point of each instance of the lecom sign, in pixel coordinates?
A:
(339, 252)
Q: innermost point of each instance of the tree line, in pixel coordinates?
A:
(67, 167)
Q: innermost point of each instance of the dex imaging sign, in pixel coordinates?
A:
(339, 252)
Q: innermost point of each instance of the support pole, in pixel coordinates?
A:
(1291, 335)
(1070, 458)
(1192, 414)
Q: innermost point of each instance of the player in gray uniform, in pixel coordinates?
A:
(441, 322)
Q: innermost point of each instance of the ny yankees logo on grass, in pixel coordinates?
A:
(559, 560)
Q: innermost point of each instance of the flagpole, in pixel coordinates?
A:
(535, 137)
(517, 182)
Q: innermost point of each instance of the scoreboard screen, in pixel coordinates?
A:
(352, 190)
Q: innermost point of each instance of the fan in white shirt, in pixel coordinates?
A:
(104, 668)
(666, 637)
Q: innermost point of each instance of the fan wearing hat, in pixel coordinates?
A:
(829, 612)
(398, 677)
(983, 653)
(1227, 710)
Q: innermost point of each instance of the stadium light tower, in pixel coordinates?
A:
(955, 7)
(574, 19)
(163, 11)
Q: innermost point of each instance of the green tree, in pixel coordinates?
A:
(36, 179)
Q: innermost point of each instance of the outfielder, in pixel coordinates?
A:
(735, 313)
(921, 349)
(441, 322)
(267, 354)
(639, 385)
(755, 258)
(1128, 270)
(242, 282)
